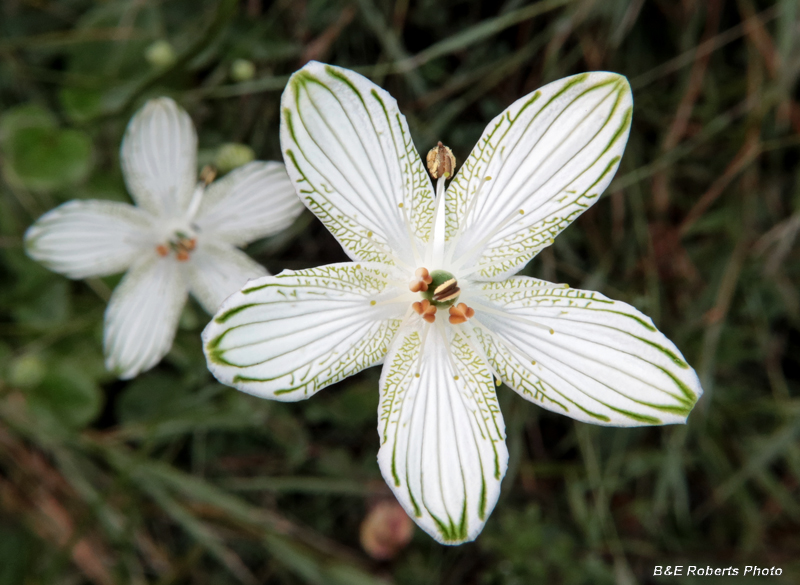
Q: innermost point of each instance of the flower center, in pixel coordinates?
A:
(439, 290)
(181, 243)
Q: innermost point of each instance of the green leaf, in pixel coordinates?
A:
(67, 396)
(153, 397)
(81, 104)
(45, 158)
(22, 117)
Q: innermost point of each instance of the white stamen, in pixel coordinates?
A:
(197, 198)
(435, 254)
(516, 214)
(412, 240)
(508, 315)
(472, 202)
(499, 262)
(426, 327)
(387, 252)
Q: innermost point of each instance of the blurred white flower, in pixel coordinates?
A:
(180, 238)
(432, 291)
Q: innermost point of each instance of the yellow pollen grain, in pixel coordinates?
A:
(533, 362)
(373, 303)
(522, 212)
(498, 382)
(417, 375)
(552, 332)
(369, 234)
(488, 179)
(358, 266)
(455, 377)
(399, 205)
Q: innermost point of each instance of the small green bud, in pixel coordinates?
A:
(160, 54)
(27, 371)
(232, 155)
(242, 70)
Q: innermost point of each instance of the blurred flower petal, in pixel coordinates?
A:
(142, 316)
(89, 238)
(159, 158)
(218, 270)
(251, 202)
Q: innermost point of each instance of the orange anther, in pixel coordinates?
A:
(182, 255)
(420, 281)
(190, 244)
(162, 250)
(424, 308)
(459, 314)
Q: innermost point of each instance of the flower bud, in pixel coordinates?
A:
(386, 530)
(160, 54)
(232, 155)
(242, 70)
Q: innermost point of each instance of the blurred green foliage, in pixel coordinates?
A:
(172, 478)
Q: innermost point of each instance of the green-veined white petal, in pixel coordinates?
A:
(581, 354)
(443, 449)
(287, 336)
(540, 164)
(348, 148)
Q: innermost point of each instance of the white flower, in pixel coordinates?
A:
(181, 237)
(431, 291)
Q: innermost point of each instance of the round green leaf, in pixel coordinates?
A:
(48, 158)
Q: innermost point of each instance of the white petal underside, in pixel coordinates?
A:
(159, 158)
(142, 316)
(537, 167)
(287, 336)
(581, 354)
(90, 238)
(217, 270)
(443, 448)
(251, 202)
(348, 149)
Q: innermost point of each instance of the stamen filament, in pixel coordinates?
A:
(412, 240)
(426, 327)
(507, 315)
(471, 204)
(436, 249)
(403, 298)
(479, 267)
(197, 198)
(387, 251)
(485, 240)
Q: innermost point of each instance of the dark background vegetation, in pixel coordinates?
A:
(172, 478)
